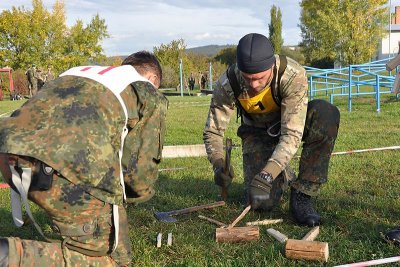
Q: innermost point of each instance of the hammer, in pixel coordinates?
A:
(228, 150)
(304, 249)
(167, 216)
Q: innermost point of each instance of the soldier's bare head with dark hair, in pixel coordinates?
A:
(147, 65)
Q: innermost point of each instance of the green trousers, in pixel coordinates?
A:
(320, 132)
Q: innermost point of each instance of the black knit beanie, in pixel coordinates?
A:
(254, 53)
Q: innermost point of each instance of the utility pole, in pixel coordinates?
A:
(210, 76)
(180, 75)
(390, 23)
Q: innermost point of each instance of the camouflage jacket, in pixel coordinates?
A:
(31, 75)
(291, 114)
(74, 125)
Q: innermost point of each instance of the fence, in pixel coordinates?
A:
(353, 81)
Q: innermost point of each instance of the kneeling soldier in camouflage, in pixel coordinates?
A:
(84, 145)
(270, 92)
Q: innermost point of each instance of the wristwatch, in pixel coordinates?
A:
(266, 176)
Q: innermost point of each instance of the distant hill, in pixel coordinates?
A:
(208, 50)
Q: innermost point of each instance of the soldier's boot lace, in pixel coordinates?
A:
(393, 236)
(3, 252)
(301, 208)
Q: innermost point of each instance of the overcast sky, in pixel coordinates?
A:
(142, 24)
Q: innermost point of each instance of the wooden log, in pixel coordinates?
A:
(307, 250)
(237, 234)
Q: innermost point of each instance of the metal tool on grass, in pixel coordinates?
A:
(167, 216)
(237, 234)
(228, 150)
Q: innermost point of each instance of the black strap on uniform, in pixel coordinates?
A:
(276, 94)
(230, 73)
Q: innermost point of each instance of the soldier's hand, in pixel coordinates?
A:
(220, 177)
(260, 190)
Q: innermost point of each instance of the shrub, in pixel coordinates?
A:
(20, 82)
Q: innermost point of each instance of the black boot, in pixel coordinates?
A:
(393, 236)
(3, 252)
(302, 210)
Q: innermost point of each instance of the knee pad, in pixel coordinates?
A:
(4, 250)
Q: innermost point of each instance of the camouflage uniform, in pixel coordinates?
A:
(41, 78)
(318, 120)
(78, 133)
(32, 81)
(49, 75)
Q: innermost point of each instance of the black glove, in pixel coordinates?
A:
(220, 178)
(260, 189)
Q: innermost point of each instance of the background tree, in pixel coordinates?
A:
(227, 56)
(193, 63)
(41, 37)
(295, 54)
(275, 29)
(83, 42)
(169, 56)
(345, 31)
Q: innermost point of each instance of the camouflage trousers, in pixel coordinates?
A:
(320, 132)
(85, 224)
(36, 253)
(33, 89)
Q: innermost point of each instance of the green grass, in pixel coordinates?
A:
(6, 106)
(359, 202)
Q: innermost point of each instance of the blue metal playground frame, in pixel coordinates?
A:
(346, 82)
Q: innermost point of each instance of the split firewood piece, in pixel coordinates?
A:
(159, 239)
(169, 240)
(312, 234)
(265, 222)
(244, 212)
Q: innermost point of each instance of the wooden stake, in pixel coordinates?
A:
(169, 240)
(159, 238)
(237, 234)
(212, 220)
(264, 222)
(244, 212)
(312, 234)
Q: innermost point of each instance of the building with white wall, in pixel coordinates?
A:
(390, 43)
